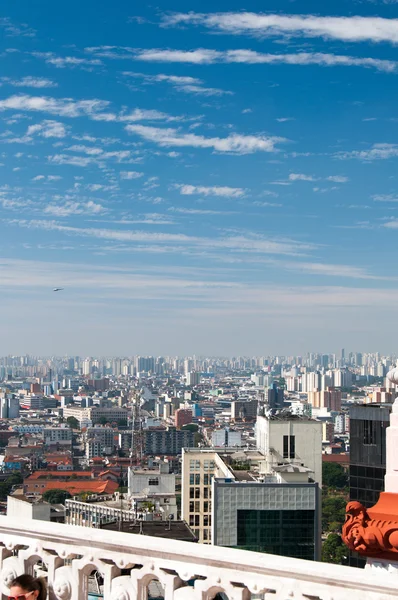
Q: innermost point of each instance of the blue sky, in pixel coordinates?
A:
(198, 181)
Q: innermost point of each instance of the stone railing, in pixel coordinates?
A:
(127, 565)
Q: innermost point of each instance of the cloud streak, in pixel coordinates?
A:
(347, 29)
(233, 144)
(239, 243)
(188, 85)
(215, 190)
(380, 151)
(205, 56)
(93, 109)
(29, 81)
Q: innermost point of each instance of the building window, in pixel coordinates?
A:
(197, 506)
(197, 493)
(205, 507)
(206, 479)
(205, 492)
(192, 507)
(192, 479)
(153, 481)
(289, 446)
(205, 534)
(283, 532)
(285, 446)
(369, 433)
(292, 452)
(205, 520)
(197, 479)
(197, 520)
(191, 520)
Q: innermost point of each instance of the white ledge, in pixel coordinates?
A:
(128, 562)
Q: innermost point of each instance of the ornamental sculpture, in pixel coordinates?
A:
(371, 537)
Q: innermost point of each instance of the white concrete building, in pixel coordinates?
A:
(285, 438)
(57, 435)
(226, 438)
(227, 506)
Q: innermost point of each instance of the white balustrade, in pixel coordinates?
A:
(128, 563)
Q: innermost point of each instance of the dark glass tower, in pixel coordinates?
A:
(368, 424)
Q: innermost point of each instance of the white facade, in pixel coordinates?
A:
(291, 440)
(54, 435)
(150, 482)
(226, 437)
(71, 554)
(22, 509)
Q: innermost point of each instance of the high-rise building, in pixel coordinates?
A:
(329, 398)
(368, 424)
(182, 416)
(166, 441)
(273, 511)
(193, 378)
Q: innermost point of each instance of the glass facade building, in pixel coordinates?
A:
(368, 424)
(282, 532)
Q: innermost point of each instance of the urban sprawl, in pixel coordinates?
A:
(259, 453)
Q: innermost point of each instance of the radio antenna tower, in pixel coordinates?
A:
(137, 436)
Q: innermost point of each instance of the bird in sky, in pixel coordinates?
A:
(57, 289)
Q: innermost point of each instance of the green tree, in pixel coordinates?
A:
(191, 427)
(73, 423)
(333, 512)
(334, 550)
(102, 420)
(334, 476)
(56, 496)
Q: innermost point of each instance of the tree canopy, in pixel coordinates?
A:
(334, 550)
(333, 513)
(73, 423)
(334, 476)
(191, 427)
(56, 496)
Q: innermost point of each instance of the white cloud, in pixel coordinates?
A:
(385, 198)
(198, 211)
(284, 119)
(223, 191)
(337, 178)
(376, 152)
(96, 156)
(20, 30)
(393, 224)
(58, 106)
(66, 107)
(47, 129)
(130, 174)
(348, 29)
(189, 85)
(34, 82)
(240, 243)
(47, 178)
(233, 144)
(67, 61)
(300, 177)
(205, 56)
(74, 208)
(76, 161)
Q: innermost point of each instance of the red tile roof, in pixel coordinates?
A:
(76, 487)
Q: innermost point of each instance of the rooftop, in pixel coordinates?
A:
(176, 530)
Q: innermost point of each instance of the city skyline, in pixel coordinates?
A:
(198, 181)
